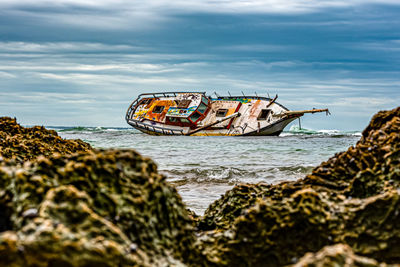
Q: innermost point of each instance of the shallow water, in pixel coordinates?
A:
(203, 168)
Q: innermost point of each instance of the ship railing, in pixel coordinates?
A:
(168, 94)
(156, 129)
(230, 97)
(242, 96)
(132, 107)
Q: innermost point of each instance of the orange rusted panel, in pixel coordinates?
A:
(159, 117)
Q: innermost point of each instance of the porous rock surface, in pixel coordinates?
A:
(352, 199)
(337, 255)
(23, 144)
(96, 208)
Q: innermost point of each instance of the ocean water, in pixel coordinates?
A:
(204, 168)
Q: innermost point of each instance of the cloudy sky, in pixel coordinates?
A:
(81, 62)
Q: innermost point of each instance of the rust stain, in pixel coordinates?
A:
(255, 109)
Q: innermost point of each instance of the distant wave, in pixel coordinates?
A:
(296, 130)
(293, 131)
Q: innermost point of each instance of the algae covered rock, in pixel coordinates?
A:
(96, 208)
(23, 143)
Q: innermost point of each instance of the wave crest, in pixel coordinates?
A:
(232, 175)
(296, 130)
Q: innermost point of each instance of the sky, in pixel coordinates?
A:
(82, 62)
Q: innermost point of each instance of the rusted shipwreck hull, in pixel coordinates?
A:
(194, 113)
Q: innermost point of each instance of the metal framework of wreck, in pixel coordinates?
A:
(194, 113)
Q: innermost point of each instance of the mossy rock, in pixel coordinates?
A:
(109, 208)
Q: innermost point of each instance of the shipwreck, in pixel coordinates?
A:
(195, 113)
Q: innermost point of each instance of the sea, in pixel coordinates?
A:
(204, 168)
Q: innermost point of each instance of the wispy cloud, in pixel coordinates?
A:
(77, 67)
(384, 45)
(4, 74)
(64, 47)
(254, 48)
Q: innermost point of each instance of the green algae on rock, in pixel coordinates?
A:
(23, 143)
(96, 208)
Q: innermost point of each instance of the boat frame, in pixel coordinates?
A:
(274, 128)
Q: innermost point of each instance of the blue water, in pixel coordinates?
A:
(203, 168)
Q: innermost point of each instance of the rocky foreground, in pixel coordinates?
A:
(63, 203)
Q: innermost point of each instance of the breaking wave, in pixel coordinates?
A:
(218, 174)
(232, 175)
(296, 130)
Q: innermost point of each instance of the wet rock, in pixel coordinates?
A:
(95, 208)
(21, 144)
